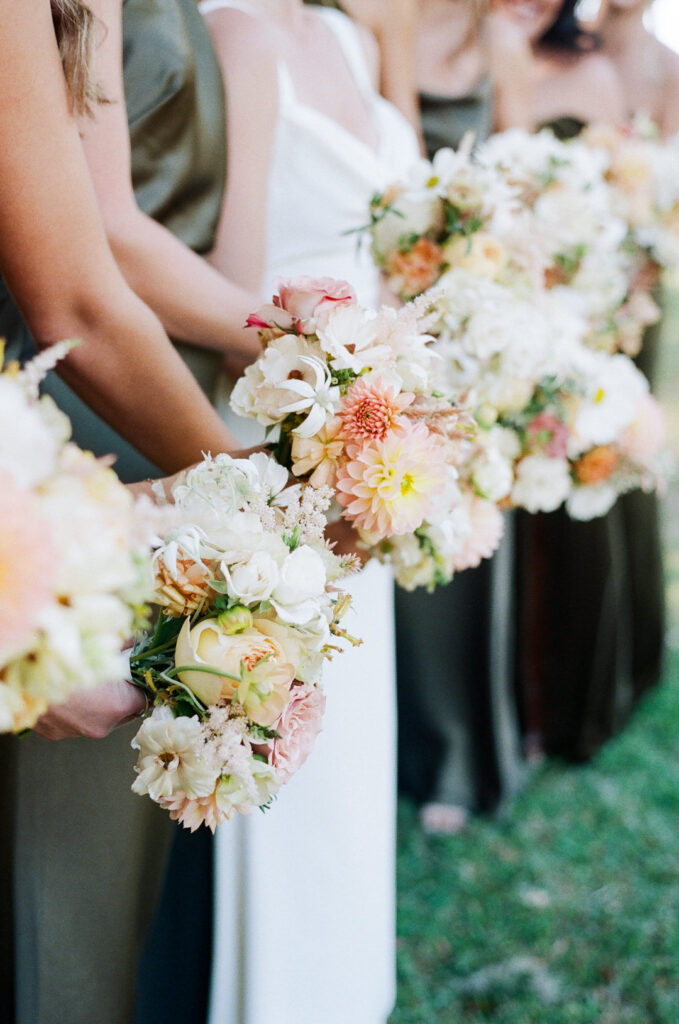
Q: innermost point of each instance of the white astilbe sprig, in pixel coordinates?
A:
(217, 483)
(227, 746)
(305, 512)
(34, 372)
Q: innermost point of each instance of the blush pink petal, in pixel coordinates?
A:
(388, 487)
(487, 528)
(370, 410)
(28, 565)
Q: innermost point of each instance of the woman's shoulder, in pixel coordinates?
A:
(239, 21)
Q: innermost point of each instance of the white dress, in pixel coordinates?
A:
(305, 893)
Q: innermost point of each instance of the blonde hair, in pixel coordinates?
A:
(75, 28)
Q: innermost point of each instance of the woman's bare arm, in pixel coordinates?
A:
(195, 303)
(57, 263)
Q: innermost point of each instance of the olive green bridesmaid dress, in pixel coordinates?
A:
(82, 857)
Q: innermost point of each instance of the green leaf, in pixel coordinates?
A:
(263, 733)
(292, 539)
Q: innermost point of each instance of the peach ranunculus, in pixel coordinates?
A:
(298, 727)
(181, 587)
(596, 465)
(19, 710)
(371, 410)
(320, 453)
(412, 272)
(388, 487)
(28, 567)
(258, 667)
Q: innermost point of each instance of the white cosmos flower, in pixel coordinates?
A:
(614, 389)
(170, 757)
(318, 397)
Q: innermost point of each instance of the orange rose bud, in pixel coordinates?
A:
(597, 465)
(417, 269)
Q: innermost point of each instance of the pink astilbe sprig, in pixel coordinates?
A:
(443, 419)
(370, 410)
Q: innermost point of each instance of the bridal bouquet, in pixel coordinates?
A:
(643, 173)
(349, 396)
(74, 571)
(564, 423)
(529, 212)
(441, 216)
(245, 585)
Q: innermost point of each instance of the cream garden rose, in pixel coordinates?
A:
(252, 667)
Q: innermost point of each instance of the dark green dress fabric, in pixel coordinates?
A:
(458, 728)
(565, 127)
(446, 120)
(590, 609)
(82, 857)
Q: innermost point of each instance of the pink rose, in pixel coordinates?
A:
(550, 434)
(298, 726)
(271, 318)
(309, 300)
(643, 439)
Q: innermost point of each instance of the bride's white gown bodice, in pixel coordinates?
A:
(305, 904)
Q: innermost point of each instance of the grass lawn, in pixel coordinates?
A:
(567, 911)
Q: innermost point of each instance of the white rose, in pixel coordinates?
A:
(506, 441)
(252, 581)
(302, 584)
(542, 484)
(591, 502)
(244, 398)
(493, 475)
(410, 215)
(351, 339)
(412, 566)
(264, 473)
